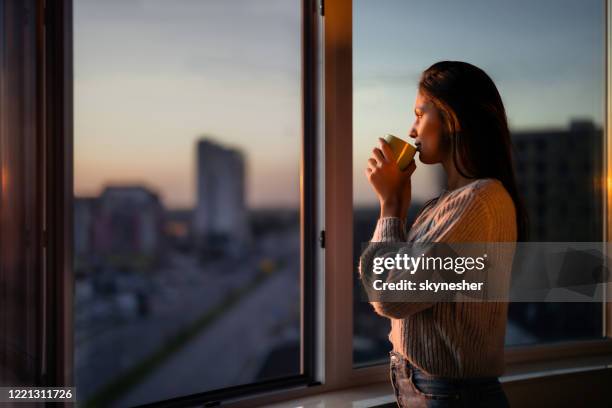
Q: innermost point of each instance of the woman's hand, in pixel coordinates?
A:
(392, 185)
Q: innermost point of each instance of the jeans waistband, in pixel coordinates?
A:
(417, 372)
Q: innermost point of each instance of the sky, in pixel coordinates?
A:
(150, 79)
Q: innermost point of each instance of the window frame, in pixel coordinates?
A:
(328, 62)
(341, 373)
(515, 356)
(56, 29)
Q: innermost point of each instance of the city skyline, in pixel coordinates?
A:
(136, 117)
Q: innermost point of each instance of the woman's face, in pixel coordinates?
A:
(427, 131)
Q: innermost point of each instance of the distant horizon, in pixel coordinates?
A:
(357, 204)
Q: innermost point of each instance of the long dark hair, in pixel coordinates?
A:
(475, 122)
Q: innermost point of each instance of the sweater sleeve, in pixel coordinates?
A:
(389, 229)
(463, 219)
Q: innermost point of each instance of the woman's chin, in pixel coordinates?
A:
(424, 159)
(429, 158)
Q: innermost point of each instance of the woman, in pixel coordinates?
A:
(451, 354)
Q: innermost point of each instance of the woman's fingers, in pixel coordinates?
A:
(386, 149)
(372, 163)
(378, 154)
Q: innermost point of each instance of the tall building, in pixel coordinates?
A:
(559, 173)
(220, 218)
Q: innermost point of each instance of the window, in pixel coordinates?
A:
(146, 222)
(188, 210)
(548, 108)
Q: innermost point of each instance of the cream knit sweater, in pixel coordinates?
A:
(453, 339)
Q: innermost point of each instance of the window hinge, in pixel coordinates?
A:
(322, 7)
(322, 238)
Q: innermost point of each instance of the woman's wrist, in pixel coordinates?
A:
(405, 207)
(392, 208)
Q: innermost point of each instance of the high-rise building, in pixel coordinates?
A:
(559, 173)
(220, 217)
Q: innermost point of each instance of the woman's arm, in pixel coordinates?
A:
(389, 229)
(465, 218)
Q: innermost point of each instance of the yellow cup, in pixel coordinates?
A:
(404, 151)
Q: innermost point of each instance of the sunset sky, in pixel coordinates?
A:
(152, 76)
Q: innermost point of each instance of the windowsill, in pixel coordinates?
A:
(525, 371)
(378, 395)
(373, 395)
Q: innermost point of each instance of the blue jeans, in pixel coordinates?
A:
(416, 389)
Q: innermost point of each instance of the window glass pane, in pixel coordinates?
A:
(187, 196)
(547, 60)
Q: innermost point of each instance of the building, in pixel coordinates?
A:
(128, 226)
(220, 216)
(84, 212)
(559, 175)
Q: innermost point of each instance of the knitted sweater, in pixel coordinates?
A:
(453, 339)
